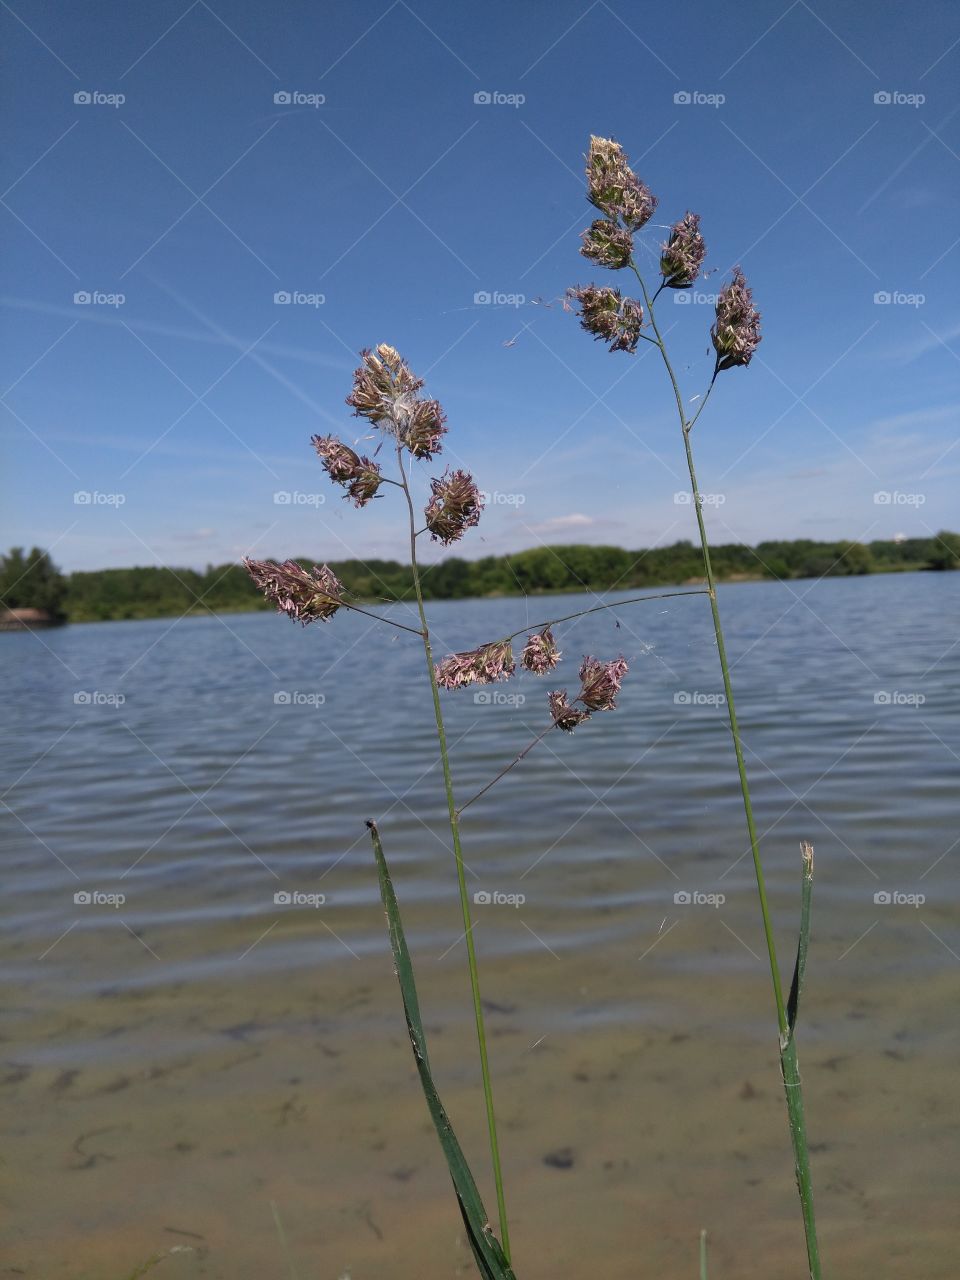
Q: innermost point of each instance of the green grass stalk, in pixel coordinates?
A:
(461, 875)
(788, 1050)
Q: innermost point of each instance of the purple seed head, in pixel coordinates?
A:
(454, 507)
(540, 653)
(360, 476)
(565, 716)
(600, 683)
(681, 257)
(607, 245)
(613, 187)
(736, 330)
(304, 595)
(485, 665)
(609, 317)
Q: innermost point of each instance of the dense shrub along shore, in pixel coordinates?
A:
(31, 581)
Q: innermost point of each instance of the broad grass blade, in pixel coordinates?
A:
(487, 1251)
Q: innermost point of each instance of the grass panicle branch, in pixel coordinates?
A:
(598, 608)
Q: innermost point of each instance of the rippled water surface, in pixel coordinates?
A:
(205, 1048)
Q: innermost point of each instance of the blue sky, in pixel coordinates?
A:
(400, 198)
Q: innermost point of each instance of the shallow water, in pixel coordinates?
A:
(181, 1061)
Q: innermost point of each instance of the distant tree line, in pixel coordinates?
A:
(32, 581)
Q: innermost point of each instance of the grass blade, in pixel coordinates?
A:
(799, 968)
(487, 1251)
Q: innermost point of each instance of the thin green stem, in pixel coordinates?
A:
(517, 758)
(597, 608)
(788, 1050)
(703, 402)
(461, 875)
(355, 608)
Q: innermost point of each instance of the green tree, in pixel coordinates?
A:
(945, 553)
(32, 581)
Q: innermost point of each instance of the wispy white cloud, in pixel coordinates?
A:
(95, 316)
(907, 351)
(557, 524)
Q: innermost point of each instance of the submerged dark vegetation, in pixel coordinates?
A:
(29, 580)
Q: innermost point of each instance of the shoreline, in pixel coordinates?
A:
(256, 606)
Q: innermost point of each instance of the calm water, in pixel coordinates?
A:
(227, 1046)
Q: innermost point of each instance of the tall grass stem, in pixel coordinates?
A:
(788, 1050)
(461, 875)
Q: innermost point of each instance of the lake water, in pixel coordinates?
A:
(206, 1067)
